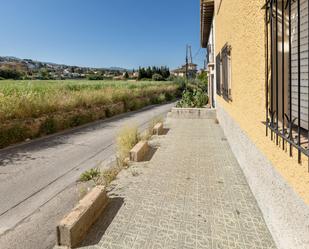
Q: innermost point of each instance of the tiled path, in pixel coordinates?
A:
(191, 194)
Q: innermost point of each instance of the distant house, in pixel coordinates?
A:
(118, 77)
(181, 72)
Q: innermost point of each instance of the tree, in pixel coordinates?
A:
(44, 74)
(126, 75)
(147, 73)
(7, 73)
(157, 77)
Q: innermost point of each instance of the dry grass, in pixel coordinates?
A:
(126, 139)
(30, 109)
(32, 99)
(153, 122)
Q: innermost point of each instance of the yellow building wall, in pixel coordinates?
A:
(241, 24)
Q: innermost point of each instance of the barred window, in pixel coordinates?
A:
(218, 73)
(226, 72)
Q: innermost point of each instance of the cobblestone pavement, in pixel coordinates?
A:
(191, 194)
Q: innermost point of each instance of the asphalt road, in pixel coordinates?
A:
(36, 177)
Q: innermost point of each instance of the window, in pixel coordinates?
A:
(218, 73)
(287, 70)
(226, 72)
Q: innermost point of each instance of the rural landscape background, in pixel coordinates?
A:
(81, 84)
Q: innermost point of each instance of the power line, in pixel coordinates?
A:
(197, 53)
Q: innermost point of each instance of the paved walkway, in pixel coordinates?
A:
(191, 194)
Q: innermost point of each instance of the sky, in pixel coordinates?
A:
(101, 33)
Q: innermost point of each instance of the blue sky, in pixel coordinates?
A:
(101, 33)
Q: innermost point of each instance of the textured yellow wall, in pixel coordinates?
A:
(241, 24)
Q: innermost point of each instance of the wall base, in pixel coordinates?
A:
(285, 213)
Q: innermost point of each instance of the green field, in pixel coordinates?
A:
(31, 109)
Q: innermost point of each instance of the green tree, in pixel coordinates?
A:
(157, 77)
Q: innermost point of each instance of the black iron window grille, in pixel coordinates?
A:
(224, 73)
(218, 74)
(287, 84)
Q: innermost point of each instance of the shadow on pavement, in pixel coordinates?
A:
(165, 131)
(149, 155)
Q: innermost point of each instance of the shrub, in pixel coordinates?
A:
(48, 126)
(193, 99)
(157, 77)
(7, 73)
(95, 77)
(79, 119)
(14, 134)
(161, 98)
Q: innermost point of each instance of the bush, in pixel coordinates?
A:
(157, 77)
(7, 73)
(14, 134)
(95, 77)
(48, 126)
(193, 99)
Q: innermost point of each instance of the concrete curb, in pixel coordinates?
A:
(139, 151)
(158, 129)
(73, 228)
(192, 113)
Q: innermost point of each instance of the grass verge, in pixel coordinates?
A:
(31, 109)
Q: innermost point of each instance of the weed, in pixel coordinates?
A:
(15, 133)
(134, 172)
(91, 174)
(109, 175)
(48, 126)
(82, 192)
(126, 139)
(26, 100)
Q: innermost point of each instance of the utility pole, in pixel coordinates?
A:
(190, 52)
(187, 76)
(189, 60)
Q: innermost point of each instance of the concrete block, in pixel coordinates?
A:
(139, 151)
(73, 228)
(193, 113)
(158, 129)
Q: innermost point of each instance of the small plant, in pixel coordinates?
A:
(134, 172)
(108, 175)
(49, 126)
(82, 192)
(89, 175)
